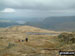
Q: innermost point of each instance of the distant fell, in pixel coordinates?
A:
(60, 23)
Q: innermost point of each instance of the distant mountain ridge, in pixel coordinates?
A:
(56, 23)
(5, 22)
(60, 23)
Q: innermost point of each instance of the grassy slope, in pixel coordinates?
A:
(9, 44)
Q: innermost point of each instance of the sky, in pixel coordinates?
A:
(36, 8)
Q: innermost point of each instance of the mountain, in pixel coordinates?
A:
(13, 42)
(59, 23)
(5, 22)
(66, 23)
(12, 39)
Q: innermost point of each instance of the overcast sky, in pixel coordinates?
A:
(36, 8)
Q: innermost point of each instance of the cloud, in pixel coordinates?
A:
(37, 8)
(8, 10)
(39, 4)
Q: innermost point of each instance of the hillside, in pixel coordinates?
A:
(13, 43)
(58, 23)
(6, 22)
(62, 23)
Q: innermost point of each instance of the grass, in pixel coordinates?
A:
(10, 46)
